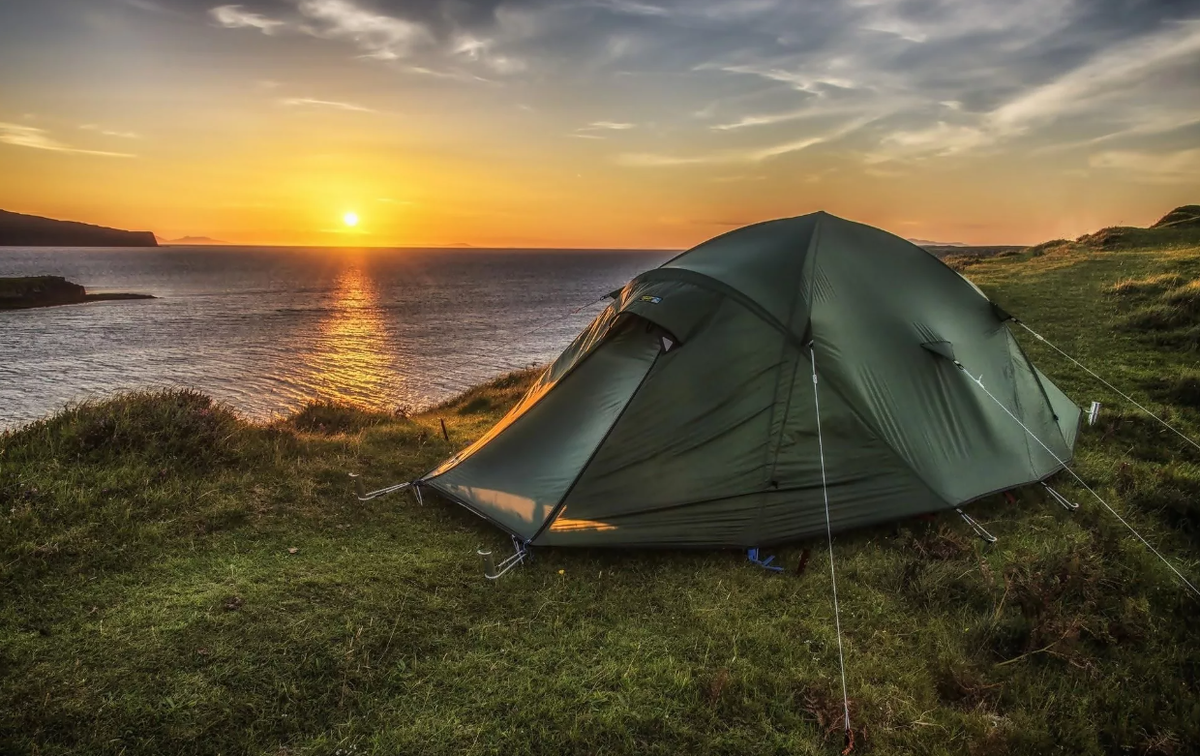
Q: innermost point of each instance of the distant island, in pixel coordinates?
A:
(19, 230)
(186, 240)
(50, 291)
(928, 243)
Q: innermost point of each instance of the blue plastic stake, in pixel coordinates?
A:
(752, 555)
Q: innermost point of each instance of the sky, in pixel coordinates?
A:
(597, 123)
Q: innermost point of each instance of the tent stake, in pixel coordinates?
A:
(979, 531)
(363, 495)
(491, 570)
(752, 555)
(1068, 505)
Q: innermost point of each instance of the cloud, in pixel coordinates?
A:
(752, 155)
(939, 139)
(378, 35)
(110, 132)
(746, 154)
(233, 17)
(746, 81)
(609, 125)
(588, 131)
(634, 8)
(1177, 167)
(332, 104)
(38, 139)
(1101, 93)
(1110, 71)
(480, 49)
(398, 37)
(652, 160)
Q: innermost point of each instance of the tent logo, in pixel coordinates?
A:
(651, 299)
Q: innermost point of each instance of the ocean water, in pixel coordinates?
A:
(265, 330)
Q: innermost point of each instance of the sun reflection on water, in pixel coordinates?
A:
(350, 359)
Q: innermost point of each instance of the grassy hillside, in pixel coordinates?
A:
(174, 580)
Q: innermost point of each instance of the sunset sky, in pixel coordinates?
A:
(597, 123)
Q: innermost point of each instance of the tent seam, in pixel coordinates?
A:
(1038, 379)
(723, 289)
(772, 462)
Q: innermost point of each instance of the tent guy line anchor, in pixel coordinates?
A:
(752, 555)
(491, 570)
(363, 494)
(979, 382)
(1069, 505)
(979, 530)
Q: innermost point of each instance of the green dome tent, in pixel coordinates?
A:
(685, 414)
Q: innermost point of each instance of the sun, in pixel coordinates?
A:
(350, 219)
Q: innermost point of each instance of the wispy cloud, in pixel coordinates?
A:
(378, 35)
(309, 102)
(1108, 73)
(634, 8)
(590, 131)
(1177, 167)
(483, 50)
(110, 132)
(754, 80)
(743, 155)
(233, 17)
(1103, 89)
(654, 160)
(386, 36)
(39, 139)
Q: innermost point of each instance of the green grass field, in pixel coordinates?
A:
(176, 580)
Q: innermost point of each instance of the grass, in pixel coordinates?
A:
(176, 580)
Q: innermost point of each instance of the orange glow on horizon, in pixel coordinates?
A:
(273, 126)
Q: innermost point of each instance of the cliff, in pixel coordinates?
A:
(18, 230)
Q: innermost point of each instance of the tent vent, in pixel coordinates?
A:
(940, 348)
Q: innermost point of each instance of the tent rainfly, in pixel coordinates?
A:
(686, 413)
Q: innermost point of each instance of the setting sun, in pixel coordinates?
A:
(350, 219)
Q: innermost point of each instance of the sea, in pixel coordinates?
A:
(267, 330)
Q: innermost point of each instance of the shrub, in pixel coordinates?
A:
(331, 417)
(1186, 298)
(161, 426)
(1143, 286)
